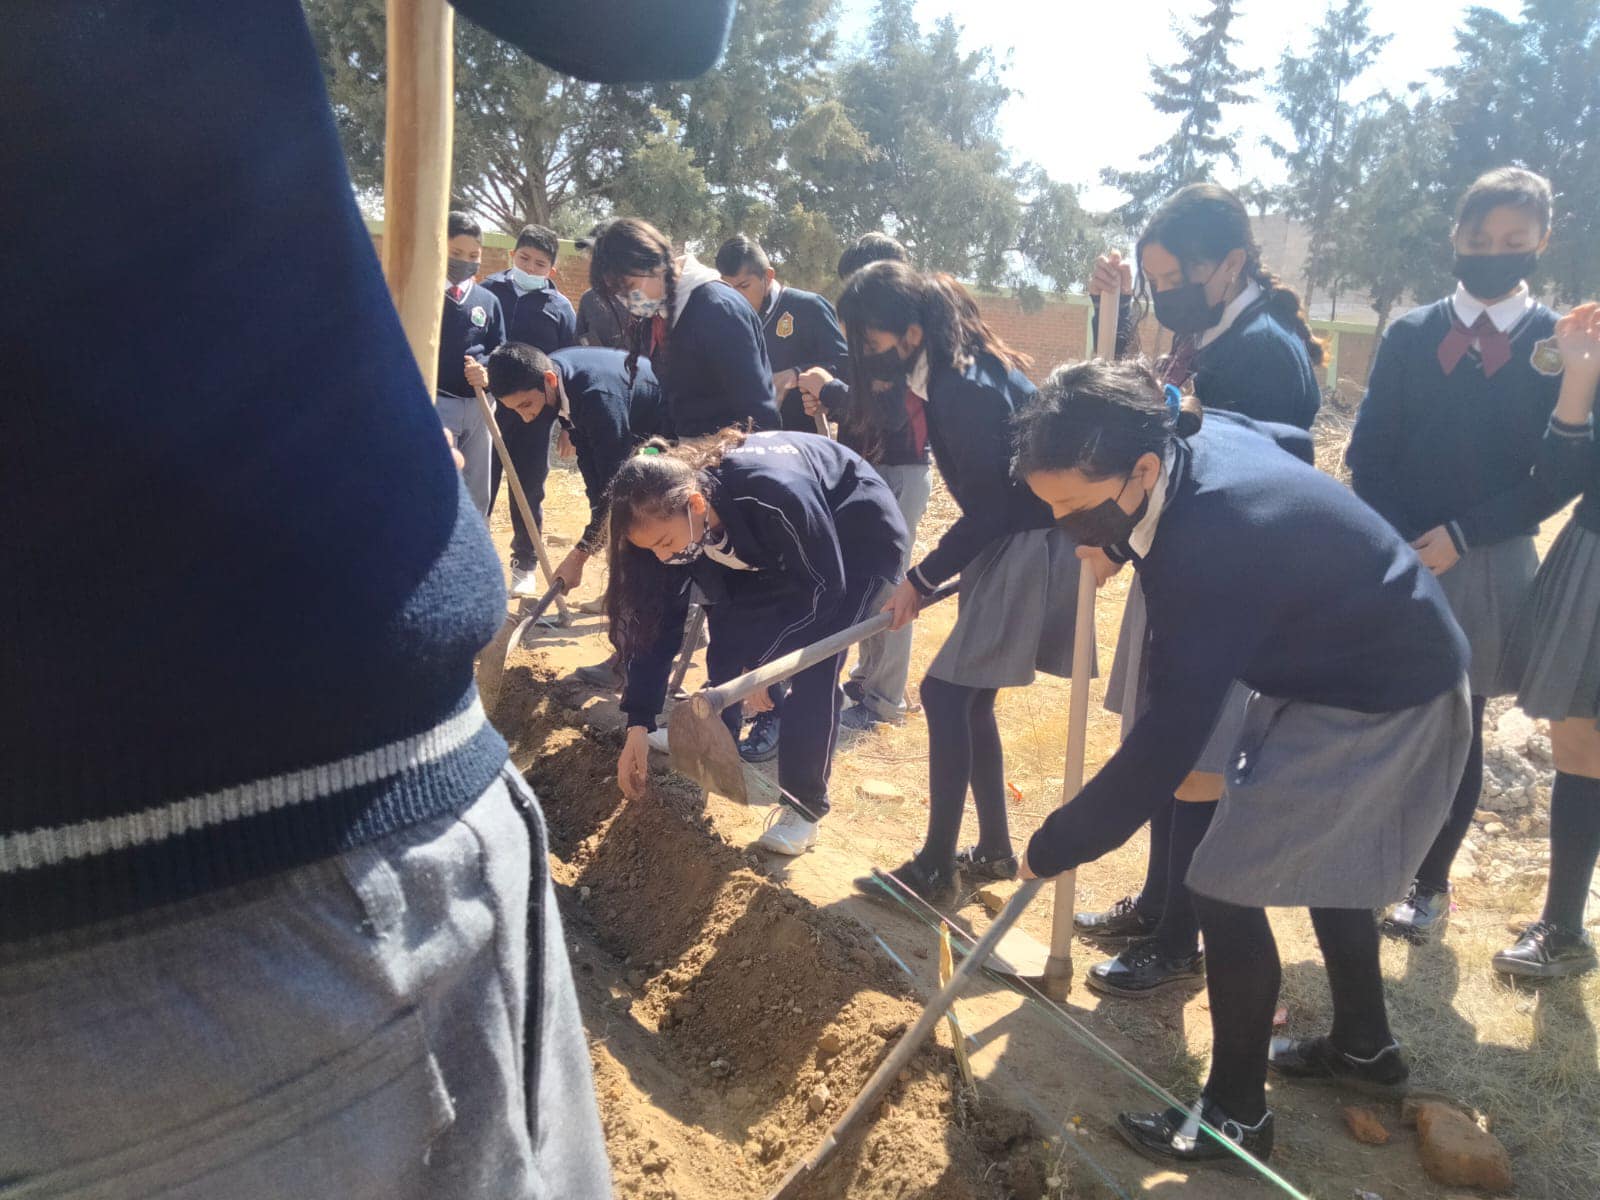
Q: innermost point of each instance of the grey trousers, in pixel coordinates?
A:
(354, 1028)
(883, 662)
(465, 423)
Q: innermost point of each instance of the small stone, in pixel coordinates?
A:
(829, 1044)
(744, 964)
(904, 1076)
(1494, 828)
(1364, 1126)
(721, 1068)
(880, 790)
(656, 1165)
(818, 1100)
(584, 893)
(1456, 1152)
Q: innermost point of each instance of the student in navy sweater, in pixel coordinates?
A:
(704, 340)
(1257, 567)
(800, 328)
(472, 327)
(1241, 343)
(1443, 447)
(1552, 659)
(275, 911)
(537, 315)
(788, 537)
(917, 372)
(605, 411)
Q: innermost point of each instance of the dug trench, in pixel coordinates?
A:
(730, 1020)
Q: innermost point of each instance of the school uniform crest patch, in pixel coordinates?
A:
(480, 318)
(1546, 356)
(785, 325)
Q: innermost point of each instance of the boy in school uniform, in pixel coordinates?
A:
(472, 327)
(540, 316)
(604, 412)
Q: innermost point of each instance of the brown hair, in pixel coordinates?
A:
(1505, 187)
(623, 247)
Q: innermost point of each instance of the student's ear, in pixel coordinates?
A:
(1233, 265)
(552, 387)
(769, 276)
(1147, 470)
(911, 340)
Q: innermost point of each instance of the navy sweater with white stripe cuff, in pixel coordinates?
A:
(1264, 570)
(813, 521)
(280, 668)
(609, 417)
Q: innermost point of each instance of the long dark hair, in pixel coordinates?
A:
(628, 246)
(654, 484)
(976, 335)
(1098, 418)
(1204, 223)
(891, 297)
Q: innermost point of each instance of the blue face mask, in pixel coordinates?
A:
(528, 281)
(642, 306)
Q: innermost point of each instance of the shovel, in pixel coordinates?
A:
(492, 662)
(910, 1043)
(700, 744)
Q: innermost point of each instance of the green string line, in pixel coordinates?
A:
(1087, 1038)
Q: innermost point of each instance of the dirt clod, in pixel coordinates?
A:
(818, 1100)
(829, 1044)
(1365, 1126)
(1455, 1151)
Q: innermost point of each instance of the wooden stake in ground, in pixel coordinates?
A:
(1057, 979)
(420, 116)
(521, 498)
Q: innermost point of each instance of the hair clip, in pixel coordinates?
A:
(649, 451)
(1174, 400)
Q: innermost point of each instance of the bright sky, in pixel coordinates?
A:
(1081, 70)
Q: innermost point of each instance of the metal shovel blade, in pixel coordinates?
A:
(703, 749)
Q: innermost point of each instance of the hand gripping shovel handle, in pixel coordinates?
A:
(708, 702)
(913, 1039)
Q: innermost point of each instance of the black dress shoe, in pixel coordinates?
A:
(760, 744)
(853, 691)
(1143, 969)
(1122, 922)
(1419, 916)
(935, 885)
(1547, 951)
(985, 868)
(1385, 1074)
(1174, 1136)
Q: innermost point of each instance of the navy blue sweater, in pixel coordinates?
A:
(1263, 569)
(286, 669)
(813, 520)
(607, 419)
(542, 318)
(969, 428)
(802, 331)
(713, 368)
(1257, 367)
(473, 325)
(1456, 450)
(1569, 463)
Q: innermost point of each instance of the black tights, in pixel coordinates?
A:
(1434, 873)
(1242, 978)
(1574, 846)
(963, 749)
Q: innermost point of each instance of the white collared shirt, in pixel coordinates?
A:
(1503, 313)
(1144, 533)
(774, 290)
(917, 378)
(1230, 314)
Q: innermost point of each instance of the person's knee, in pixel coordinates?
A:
(1576, 743)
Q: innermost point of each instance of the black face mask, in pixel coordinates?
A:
(1185, 309)
(1490, 276)
(886, 404)
(884, 367)
(1106, 524)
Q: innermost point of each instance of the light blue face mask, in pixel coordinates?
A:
(640, 305)
(528, 281)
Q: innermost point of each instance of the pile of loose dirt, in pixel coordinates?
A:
(731, 1021)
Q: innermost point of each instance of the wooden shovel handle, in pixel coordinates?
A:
(821, 418)
(521, 498)
(708, 702)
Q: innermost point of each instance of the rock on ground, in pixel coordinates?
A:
(1456, 1152)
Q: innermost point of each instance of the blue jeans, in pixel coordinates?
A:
(354, 1028)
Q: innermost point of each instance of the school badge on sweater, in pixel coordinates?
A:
(785, 325)
(1546, 356)
(480, 318)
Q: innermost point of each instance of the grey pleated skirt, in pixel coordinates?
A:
(1127, 687)
(1486, 590)
(1330, 808)
(1552, 658)
(1019, 600)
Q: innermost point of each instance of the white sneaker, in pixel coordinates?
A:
(789, 834)
(524, 580)
(657, 738)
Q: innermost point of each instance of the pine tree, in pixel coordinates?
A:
(1314, 98)
(1195, 90)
